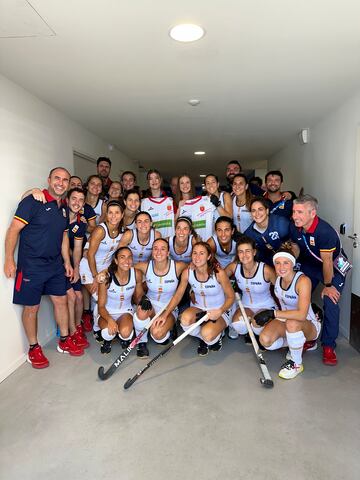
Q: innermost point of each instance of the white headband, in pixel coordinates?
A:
(286, 255)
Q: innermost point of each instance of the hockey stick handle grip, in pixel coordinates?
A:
(247, 322)
(191, 329)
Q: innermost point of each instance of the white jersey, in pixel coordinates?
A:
(119, 296)
(289, 298)
(98, 210)
(161, 288)
(255, 290)
(162, 214)
(181, 257)
(106, 248)
(131, 226)
(103, 255)
(241, 217)
(141, 253)
(208, 294)
(201, 212)
(223, 257)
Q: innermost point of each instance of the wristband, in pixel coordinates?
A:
(328, 284)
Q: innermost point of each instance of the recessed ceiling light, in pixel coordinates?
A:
(186, 32)
(200, 152)
(202, 175)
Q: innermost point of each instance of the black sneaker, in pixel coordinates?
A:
(247, 338)
(106, 347)
(98, 337)
(124, 343)
(203, 349)
(142, 350)
(216, 347)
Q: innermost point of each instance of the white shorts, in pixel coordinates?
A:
(157, 306)
(85, 273)
(227, 316)
(114, 315)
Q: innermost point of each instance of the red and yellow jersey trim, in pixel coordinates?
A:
(327, 249)
(21, 220)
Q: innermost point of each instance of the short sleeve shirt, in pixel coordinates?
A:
(320, 237)
(41, 238)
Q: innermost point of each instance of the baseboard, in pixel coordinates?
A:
(22, 359)
(12, 367)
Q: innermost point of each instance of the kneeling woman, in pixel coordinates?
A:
(162, 279)
(212, 293)
(254, 280)
(296, 322)
(123, 282)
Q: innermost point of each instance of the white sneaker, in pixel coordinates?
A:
(232, 333)
(290, 370)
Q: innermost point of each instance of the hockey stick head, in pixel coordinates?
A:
(129, 382)
(266, 382)
(101, 373)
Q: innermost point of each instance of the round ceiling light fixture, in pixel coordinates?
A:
(186, 32)
(199, 152)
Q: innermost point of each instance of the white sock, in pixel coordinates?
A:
(276, 345)
(213, 341)
(139, 325)
(240, 326)
(194, 333)
(96, 328)
(129, 337)
(296, 342)
(161, 340)
(106, 335)
(257, 330)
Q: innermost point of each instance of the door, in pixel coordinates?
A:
(84, 166)
(355, 276)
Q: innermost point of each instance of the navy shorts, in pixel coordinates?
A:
(30, 286)
(75, 286)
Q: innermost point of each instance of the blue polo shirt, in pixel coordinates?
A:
(77, 230)
(320, 237)
(88, 212)
(268, 242)
(283, 207)
(41, 238)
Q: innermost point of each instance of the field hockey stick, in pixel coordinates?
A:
(123, 355)
(266, 379)
(132, 380)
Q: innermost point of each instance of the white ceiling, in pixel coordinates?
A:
(264, 70)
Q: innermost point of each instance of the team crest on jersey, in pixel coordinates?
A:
(274, 235)
(202, 208)
(75, 228)
(312, 241)
(169, 207)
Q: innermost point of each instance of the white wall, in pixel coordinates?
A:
(325, 168)
(34, 138)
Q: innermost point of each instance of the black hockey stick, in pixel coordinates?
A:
(132, 380)
(123, 355)
(266, 379)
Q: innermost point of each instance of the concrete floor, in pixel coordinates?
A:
(186, 418)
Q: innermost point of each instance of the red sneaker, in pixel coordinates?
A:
(37, 358)
(310, 346)
(329, 356)
(86, 318)
(80, 328)
(70, 347)
(79, 340)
